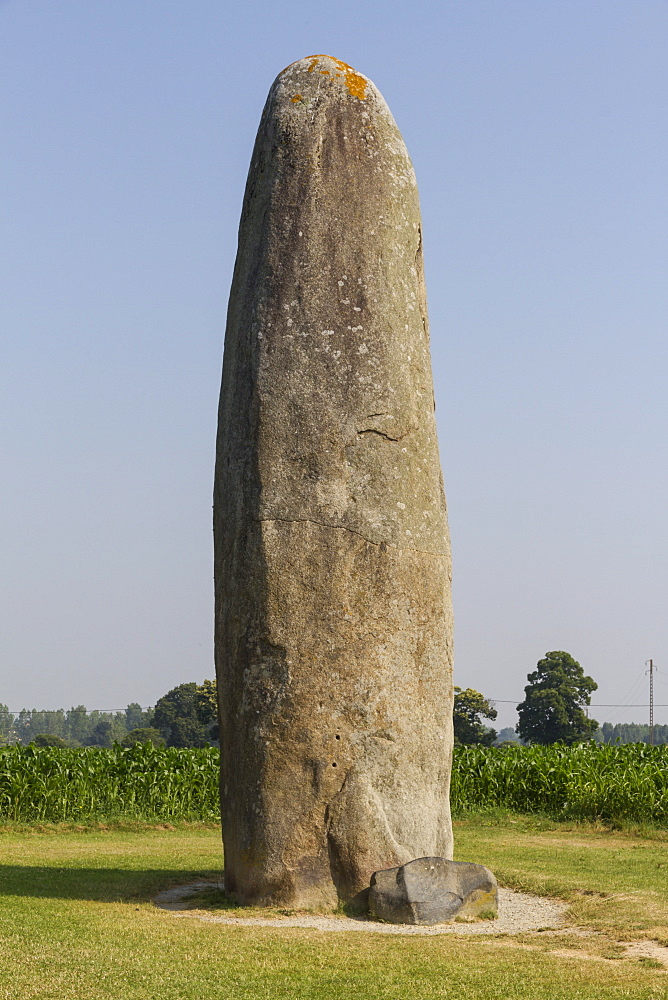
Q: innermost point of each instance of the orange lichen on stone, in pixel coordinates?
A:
(355, 82)
(296, 99)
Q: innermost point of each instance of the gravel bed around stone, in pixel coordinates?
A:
(518, 912)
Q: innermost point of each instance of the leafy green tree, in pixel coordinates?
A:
(102, 733)
(107, 728)
(32, 723)
(144, 734)
(77, 724)
(49, 722)
(136, 717)
(186, 716)
(554, 702)
(208, 699)
(507, 737)
(24, 725)
(470, 708)
(7, 732)
(49, 740)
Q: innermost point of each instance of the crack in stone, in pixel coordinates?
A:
(342, 527)
(388, 437)
(319, 524)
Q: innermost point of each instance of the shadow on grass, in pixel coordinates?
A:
(104, 885)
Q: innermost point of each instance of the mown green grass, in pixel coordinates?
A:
(614, 880)
(618, 784)
(76, 922)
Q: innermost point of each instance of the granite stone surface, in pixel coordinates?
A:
(332, 556)
(433, 891)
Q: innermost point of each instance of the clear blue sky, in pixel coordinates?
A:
(538, 133)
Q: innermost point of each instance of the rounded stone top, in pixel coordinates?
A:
(309, 74)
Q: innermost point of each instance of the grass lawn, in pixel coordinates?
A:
(76, 923)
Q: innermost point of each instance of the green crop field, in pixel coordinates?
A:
(43, 784)
(590, 781)
(618, 784)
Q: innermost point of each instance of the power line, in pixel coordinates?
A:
(632, 692)
(501, 701)
(89, 711)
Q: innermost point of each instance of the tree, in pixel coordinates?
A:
(7, 732)
(507, 737)
(553, 706)
(144, 734)
(186, 716)
(102, 733)
(77, 724)
(208, 699)
(470, 708)
(32, 723)
(136, 718)
(49, 740)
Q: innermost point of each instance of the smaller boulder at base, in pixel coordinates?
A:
(433, 891)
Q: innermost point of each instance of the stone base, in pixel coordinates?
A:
(433, 891)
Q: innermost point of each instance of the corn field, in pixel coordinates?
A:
(44, 784)
(591, 781)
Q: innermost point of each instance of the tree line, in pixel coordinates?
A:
(554, 710)
(632, 732)
(186, 716)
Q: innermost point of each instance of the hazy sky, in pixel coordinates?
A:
(538, 133)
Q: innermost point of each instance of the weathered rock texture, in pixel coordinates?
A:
(333, 619)
(433, 891)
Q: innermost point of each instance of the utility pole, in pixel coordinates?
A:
(651, 702)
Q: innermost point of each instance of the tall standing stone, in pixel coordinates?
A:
(332, 563)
